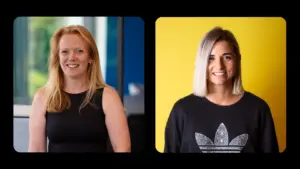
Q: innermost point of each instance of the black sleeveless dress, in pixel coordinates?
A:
(71, 131)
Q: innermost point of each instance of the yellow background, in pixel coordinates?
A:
(263, 48)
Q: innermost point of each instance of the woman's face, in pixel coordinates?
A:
(73, 55)
(221, 64)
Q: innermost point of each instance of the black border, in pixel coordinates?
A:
(150, 153)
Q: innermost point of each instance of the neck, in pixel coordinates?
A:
(220, 94)
(78, 85)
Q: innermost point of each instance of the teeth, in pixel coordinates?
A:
(219, 74)
(72, 65)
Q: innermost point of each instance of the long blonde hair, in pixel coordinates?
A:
(56, 100)
(206, 44)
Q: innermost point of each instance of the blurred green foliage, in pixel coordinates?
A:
(40, 31)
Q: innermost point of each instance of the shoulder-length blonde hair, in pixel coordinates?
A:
(205, 47)
(56, 100)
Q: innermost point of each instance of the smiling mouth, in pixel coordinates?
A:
(219, 73)
(72, 65)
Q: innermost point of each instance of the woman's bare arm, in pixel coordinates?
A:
(37, 124)
(116, 121)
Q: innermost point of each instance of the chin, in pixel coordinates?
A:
(73, 75)
(218, 82)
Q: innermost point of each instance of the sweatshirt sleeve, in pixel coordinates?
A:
(173, 130)
(268, 138)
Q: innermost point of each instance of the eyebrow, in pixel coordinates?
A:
(228, 53)
(71, 48)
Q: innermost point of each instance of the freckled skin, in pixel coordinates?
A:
(73, 50)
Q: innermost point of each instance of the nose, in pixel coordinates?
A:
(72, 55)
(219, 64)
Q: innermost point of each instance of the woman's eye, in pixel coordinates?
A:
(79, 50)
(228, 57)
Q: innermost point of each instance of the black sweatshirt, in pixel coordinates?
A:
(196, 125)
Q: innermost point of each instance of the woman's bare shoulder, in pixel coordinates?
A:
(38, 102)
(110, 91)
(40, 93)
(111, 98)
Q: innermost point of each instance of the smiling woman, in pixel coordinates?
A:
(220, 116)
(76, 110)
(72, 46)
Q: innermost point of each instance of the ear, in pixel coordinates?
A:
(90, 61)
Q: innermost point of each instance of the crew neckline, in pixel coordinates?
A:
(75, 93)
(79, 92)
(227, 106)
